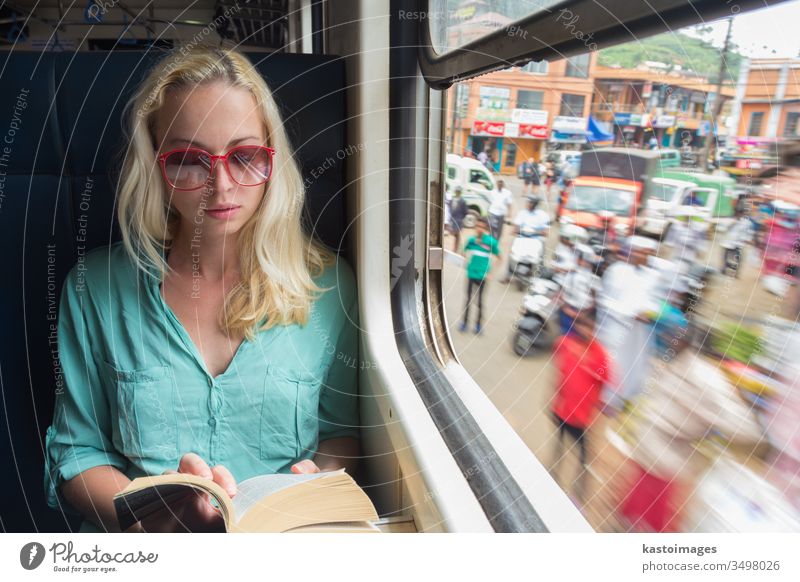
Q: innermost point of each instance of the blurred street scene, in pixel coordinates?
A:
(623, 238)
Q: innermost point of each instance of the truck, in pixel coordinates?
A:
(611, 181)
(477, 185)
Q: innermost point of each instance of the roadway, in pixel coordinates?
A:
(521, 388)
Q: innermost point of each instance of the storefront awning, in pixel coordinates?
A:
(595, 133)
(563, 137)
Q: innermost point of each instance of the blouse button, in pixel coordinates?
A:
(212, 422)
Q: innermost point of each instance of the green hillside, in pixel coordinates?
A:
(673, 49)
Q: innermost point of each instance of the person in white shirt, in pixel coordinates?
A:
(579, 288)
(564, 256)
(483, 157)
(500, 208)
(686, 236)
(625, 304)
(739, 234)
(531, 218)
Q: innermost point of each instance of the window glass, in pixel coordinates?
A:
(790, 129)
(510, 155)
(537, 67)
(480, 177)
(572, 105)
(597, 199)
(739, 319)
(755, 123)
(530, 99)
(663, 192)
(454, 23)
(578, 66)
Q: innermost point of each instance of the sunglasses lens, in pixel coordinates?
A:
(250, 165)
(187, 169)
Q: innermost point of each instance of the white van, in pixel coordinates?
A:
(666, 196)
(477, 184)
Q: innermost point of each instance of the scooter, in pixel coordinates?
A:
(526, 257)
(537, 324)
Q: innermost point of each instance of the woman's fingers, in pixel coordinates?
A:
(305, 466)
(224, 478)
(192, 463)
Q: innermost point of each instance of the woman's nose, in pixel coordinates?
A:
(221, 180)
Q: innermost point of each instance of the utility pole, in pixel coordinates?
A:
(717, 108)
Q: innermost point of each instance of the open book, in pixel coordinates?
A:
(330, 501)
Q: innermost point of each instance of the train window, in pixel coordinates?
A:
(531, 293)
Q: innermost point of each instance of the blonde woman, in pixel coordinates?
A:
(217, 338)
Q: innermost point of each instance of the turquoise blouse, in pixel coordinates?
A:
(137, 395)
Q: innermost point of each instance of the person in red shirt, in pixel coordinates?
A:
(582, 366)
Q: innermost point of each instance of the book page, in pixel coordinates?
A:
(256, 488)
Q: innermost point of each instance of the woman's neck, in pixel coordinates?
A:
(212, 258)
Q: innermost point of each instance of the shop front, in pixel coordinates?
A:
(508, 143)
(568, 132)
(663, 129)
(632, 129)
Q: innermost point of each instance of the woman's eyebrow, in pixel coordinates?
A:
(197, 144)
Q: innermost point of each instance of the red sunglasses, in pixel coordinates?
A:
(190, 168)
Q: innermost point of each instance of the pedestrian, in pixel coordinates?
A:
(479, 250)
(458, 212)
(580, 288)
(564, 256)
(530, 174)
(739, 234)
(530, 219)
(582, 366)
(687, 398)
(686, 236)
(500, 208)
(483, 157)
(550, 175)
(627, 303)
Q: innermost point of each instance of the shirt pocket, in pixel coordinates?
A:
(146, 412)
(289, 414)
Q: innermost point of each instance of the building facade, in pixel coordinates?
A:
(519, 113)
(674, 107)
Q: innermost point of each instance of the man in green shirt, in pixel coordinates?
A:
(478, 250)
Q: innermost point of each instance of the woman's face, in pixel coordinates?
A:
(215, 117)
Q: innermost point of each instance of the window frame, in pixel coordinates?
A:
(572, 112)
(792, 120)
(535, 38)
(753, 116)
(540, 104)
(583, 73)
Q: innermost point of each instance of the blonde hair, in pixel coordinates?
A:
(278, 260)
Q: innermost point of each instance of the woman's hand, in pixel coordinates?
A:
(194, 511)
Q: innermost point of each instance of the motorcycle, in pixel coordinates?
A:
(526, 257)
(536, 326)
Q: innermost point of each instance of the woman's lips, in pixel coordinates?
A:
(222, 213)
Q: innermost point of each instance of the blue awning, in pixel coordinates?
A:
(597, 133)
(565, 137)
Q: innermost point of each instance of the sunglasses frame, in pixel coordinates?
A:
(162, 160)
